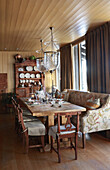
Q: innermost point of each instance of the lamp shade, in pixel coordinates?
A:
(40, 65)
(51, 60)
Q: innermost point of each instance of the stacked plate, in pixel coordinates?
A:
(35, 68)
(32, 75)
(21, 75)
(20, 69)
(37, 75)
(27, 75)
(29, 68)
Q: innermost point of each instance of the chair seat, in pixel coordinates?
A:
(28, 118)
(53, 131)
(35, 128)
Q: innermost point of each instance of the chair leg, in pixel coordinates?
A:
(23, 136)
(19, 128)
(58, 149)
(51, 143)
(76, 139)
(83, 140)
(42, 141)
(27, 142)
(71, 143)
(16, 123)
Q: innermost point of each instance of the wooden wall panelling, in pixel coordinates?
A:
(4, 63)
(10, 72)
(1, 65)
(23, 23)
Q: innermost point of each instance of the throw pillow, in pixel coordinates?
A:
(93, 104)
(65, 96)
(58, 94)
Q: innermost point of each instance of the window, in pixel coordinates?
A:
(58, 73)
(79, 67)
(75, 67)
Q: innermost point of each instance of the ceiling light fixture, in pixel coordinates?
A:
(40, 60)
(49, 58)
(51, 55)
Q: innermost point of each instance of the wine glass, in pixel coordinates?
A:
(60, 102)
(53, 102)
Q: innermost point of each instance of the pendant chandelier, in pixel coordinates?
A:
(40, 61)
(49, 59)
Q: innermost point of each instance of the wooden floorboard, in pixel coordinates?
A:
(96, 155)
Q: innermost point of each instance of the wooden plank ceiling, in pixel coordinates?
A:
(24, 22)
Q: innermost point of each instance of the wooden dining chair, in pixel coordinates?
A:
(26, 112)
(32, 129)
(15, 111)
(68, 130)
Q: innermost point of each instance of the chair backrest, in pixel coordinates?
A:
(20, 113)
(68, 125)
(15, 105)
(13, 102)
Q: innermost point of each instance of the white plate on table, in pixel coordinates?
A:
(29, 68)
(27, 75)
(21, 75)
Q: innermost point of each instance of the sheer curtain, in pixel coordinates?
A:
(66, 67)
(98, 59)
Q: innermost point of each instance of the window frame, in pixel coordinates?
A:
(79, 65)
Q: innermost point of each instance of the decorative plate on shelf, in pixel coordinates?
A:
(29, 68)
(27, 75)
(21, 75)
(32, 75)
(35, 68)
(20, 69)
(24, 81)
(37, 75)
(40, 83)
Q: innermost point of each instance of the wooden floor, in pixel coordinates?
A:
(96, 156)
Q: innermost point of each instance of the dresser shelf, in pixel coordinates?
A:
(24, 89)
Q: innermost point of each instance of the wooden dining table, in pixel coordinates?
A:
(43, 109)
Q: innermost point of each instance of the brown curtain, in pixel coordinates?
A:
(98, 59)
(66, 67)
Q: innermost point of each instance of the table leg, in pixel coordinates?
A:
(50, 123)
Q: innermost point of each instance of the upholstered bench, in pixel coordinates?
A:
(93, 120)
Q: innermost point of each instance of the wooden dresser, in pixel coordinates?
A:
(27, 78)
